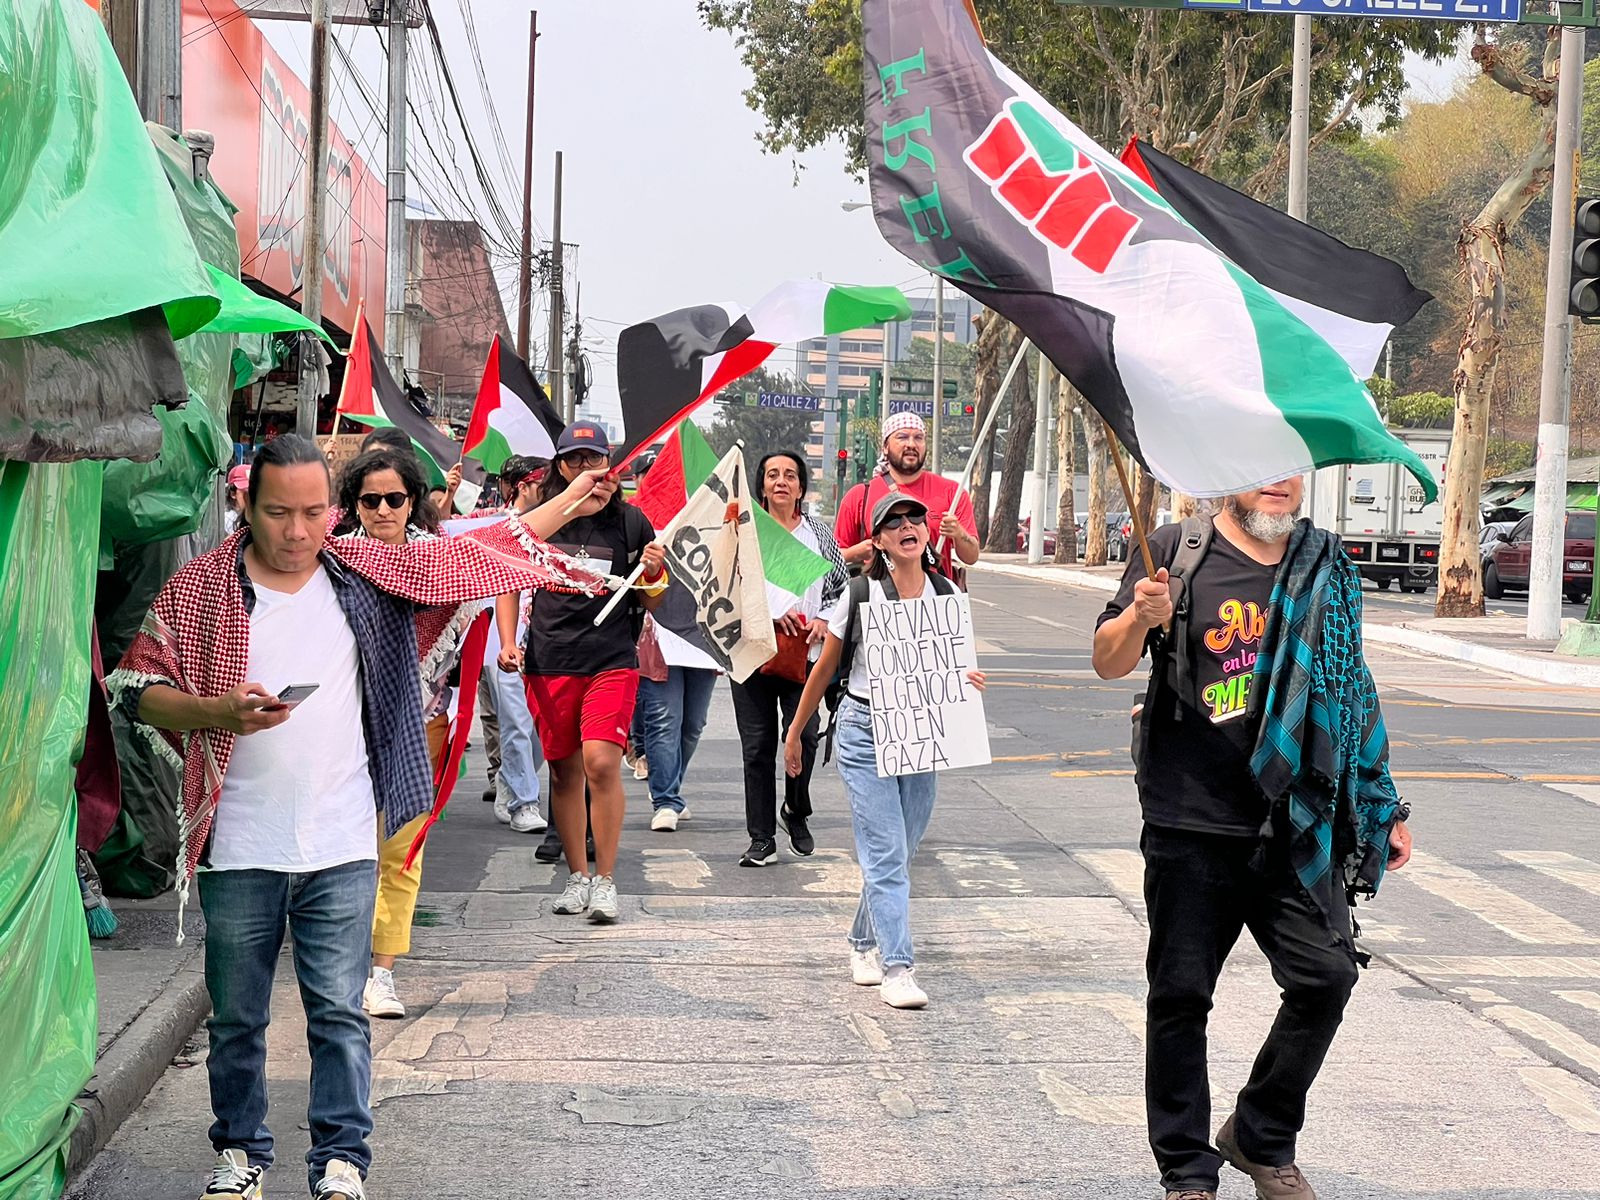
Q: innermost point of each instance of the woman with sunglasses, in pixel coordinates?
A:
(383, 495)
(889, 815)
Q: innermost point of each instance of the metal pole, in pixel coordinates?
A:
(1550, 485)
(1300, 117)
(525, 265)
(397, 266)
(160, 62)
(1044, 395)
(558, 260)
(938, 373)
(965, 481)
(316, 192)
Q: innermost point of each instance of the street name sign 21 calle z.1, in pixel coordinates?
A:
(1427, 10)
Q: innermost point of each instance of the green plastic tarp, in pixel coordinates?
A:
(76, 171)
(47, 992)
(244, 311)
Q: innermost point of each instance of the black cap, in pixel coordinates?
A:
(517, 468)
(891, 501)
(583, 435)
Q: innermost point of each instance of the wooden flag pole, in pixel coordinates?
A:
(1134, 515)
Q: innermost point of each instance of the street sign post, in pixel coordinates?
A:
(899, 404)
(790, 400)
(901, 386)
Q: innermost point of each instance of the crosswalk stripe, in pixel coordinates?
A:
(1552, 1033)
(1493, 905)
(1121, 870)
(1496, 966)
(1583, 999)
(1568, 868)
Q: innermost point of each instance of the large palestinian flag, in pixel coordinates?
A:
(1355, 299)
(370, 396)
(1207, 378)
(669, 366)
(512, 414)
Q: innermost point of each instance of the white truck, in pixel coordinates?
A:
(1378, 511)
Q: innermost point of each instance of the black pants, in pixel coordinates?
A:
(1202, 890)
(764, 706)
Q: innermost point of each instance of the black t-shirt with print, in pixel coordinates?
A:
(1196, 769)
(562, 637)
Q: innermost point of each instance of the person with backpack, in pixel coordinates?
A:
(1262, 771)
(889, 815)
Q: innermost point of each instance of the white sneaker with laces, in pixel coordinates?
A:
(641, 767)
(379, 998)
(233, 1178)
(899, 990)
(684, 815)
(576, 896)
(603, 901)
(528, 819)
(503, 796)
(866, 967)
(664, 820)
(340, 1178)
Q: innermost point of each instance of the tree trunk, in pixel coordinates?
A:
(986, 381)
(1481, 248)
(1097, 439)
(1002, 537)
(1066, 471)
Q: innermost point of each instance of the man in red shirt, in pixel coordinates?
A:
(901, 468)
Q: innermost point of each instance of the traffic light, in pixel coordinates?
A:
(1583, 300)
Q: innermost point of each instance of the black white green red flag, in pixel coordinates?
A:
(371, 397)
(512, 414)
(1202, 373)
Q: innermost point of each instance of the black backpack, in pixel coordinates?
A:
(857, 593)
(1169, 648)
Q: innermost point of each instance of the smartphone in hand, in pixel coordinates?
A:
(293, 695)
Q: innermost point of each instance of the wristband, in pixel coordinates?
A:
(659, 575)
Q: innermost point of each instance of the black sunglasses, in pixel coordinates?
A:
(395, 500)
(899, 519)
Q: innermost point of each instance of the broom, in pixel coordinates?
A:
(102, 921)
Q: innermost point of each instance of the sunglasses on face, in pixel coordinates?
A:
(900, 519)
(587, 460)
(395, 500)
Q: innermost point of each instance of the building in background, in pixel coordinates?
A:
(455, 311)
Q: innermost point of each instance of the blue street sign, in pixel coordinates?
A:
(1427, 10)
(789, 400)
(923, 408)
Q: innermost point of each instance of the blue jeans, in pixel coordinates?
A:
(521, 756)
(673, 715)
(329, 914)
(890, 816)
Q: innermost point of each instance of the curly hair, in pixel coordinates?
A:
(423, 514)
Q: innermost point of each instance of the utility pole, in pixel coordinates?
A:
(316, 193)
(938, 372)
(1300, 117)
(1550, 485)
(1044, 405)
(160, 62)
(558, 262)
(397, 267)
(121, 19)
(525, 264)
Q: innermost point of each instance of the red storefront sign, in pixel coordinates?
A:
(237, 87)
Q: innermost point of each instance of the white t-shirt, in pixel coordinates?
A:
(839, 620)
(298, 797)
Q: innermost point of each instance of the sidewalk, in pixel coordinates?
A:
(1497, 643)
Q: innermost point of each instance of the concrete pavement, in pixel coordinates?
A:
(712, 1043)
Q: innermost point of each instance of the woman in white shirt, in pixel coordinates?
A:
(764, 704)
(889, 815)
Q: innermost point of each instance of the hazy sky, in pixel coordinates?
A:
(667, 193)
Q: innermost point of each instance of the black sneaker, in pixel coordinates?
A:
(550, 849)
(800, 839)
(762, 852)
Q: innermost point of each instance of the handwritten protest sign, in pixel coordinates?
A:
(925, 715)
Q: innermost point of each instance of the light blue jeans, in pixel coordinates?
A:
(672, 715)
(521, 756)
(890, 816)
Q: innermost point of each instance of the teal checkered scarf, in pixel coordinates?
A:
(1322, 753)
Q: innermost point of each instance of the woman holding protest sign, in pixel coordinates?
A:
(889, 814)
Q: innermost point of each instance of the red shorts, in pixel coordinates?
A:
(569, 710)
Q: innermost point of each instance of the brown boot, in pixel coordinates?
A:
(1192, 1194)
(1272, 1183)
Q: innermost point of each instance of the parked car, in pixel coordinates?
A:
(1119, 528)
(1023, 526)
(1494, 532)
(1509, 563)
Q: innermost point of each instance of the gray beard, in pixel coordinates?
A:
(1264, 527)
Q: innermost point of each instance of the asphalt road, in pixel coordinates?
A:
(1420, 604)
(711, 1043)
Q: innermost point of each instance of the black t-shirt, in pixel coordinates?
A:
(562, 637)
(1196, 770)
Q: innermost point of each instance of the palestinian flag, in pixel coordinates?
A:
(686, 462)
(370, 396)
(1355, 299)
(512, 414)
(1202, 372)
(669, 366)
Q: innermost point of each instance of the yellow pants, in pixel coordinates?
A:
(397, 887)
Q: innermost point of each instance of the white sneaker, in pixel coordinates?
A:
(899, 990)
(576, 897)
(684, 814)
(233, 1178)
(665, 820)
(641, 767)
(603, 900)
(340, 1178)
(866, 967)
(503, 796)
(379, 998)
(528, 819)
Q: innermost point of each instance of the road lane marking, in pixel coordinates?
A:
(1498, 966)
(1553, 1034)
(1492, 904)
(1559, 865)
(676, 868)
(986, 868)
(1079, 1105)
(514, 869)
(1589, 1000)
(1120, 870)
(837, 873)
(870, 1032)
(1124, 1009)
(1588, 794)
(1567, 1098)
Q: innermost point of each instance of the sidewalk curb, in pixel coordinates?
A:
(133, 1063)
(1070, 576)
